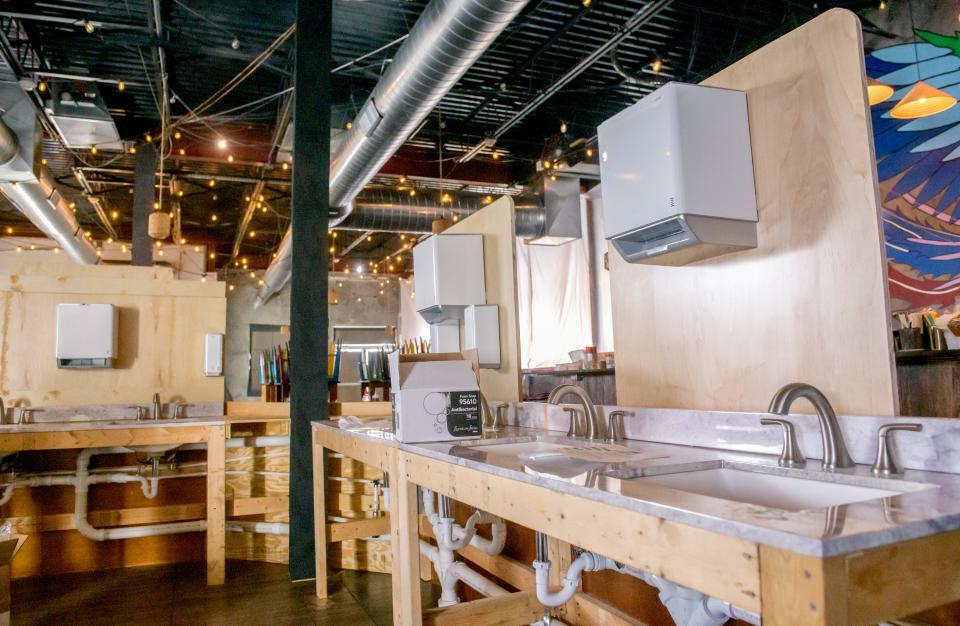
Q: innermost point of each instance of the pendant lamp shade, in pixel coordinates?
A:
(877, 92)
(923, 100)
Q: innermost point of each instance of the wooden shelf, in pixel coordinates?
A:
(923, 356)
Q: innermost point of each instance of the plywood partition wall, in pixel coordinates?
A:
(810, 303)
(496, 224)
(161, 332)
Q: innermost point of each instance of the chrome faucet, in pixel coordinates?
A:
(835, 455)
(589, 410)
(157, 407)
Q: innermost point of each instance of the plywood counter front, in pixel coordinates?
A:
(785, 587)
(90, 435)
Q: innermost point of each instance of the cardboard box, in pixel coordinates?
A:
(435, 397)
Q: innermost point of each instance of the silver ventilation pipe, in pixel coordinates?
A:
(387, 210)
(447, 39)
(28, 185)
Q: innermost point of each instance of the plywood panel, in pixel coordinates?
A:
(810, 303)
(496, 224)
(162, 325)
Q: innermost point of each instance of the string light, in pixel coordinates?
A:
(196, 248)
(253, 275)
(213, 218)
(121, 85)
(213, 255)
(589, 152)
(883, 5)
(413, 192)
(230, 158)
(33, 247)
(222, 143)
(19, 249)
(260, 282)
(73, 205)
(177, 135)
(230, 287)
(182, 152)
(212, 183)
(109, 239)
(203, 278)
(183, 241)
(285, 167)
(456, 218)
(56, 250)
(41, 86)
(149, 138)
(331, 249)
(657, 65)
(9, 230)
(235, 43)
(403, 179)
(43, 161)
(253, 234)
(349, 125)
(133, 149)
(93, 149)
(563, 128)
(89, 27)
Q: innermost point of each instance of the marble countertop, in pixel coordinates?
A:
(104, 424)
(930, 502)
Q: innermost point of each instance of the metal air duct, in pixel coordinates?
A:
(387, 210)
(447, 39)
(28, 185)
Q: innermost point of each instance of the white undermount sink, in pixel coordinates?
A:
(786, 493)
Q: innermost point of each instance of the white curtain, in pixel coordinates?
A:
(553, 294)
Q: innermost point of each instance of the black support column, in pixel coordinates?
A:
(143, 198)
(308, 298)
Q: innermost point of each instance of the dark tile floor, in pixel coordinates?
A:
(255, 593)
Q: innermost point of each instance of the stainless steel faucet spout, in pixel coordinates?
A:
(589, 410)
(835, 455)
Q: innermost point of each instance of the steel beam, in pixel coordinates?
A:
(308, 299)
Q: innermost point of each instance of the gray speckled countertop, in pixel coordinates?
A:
(46, 427)
(930, 502)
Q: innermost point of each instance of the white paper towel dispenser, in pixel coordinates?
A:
(677, 176)
(448, 276)
(86, 335)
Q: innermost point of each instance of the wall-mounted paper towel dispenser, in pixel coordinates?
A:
(86, 335)
(677, 176)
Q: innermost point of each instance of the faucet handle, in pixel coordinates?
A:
(179, 410)
(615, 430)
(884, 465)
(790, 455)
(25, 414)
(574, 429)
(141, 412)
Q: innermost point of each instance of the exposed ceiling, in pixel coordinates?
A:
(206, 43)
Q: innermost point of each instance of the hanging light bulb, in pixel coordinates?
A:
(148, 137)
(89, 26)
(657, 65)
(222, 143)
(883, 5)
(41, 86)
(922, 101)
(121, 85)
(177, 135)
(182, 152)
(563, 128)
(235, 43)
(877, 92)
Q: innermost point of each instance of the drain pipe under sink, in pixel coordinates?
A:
(687, 607)
(84, 479)
(451, 536)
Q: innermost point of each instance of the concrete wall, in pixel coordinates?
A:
(373, 309)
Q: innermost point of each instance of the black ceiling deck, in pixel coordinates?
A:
(693, 39)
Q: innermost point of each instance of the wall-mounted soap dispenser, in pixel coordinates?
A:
(677, 176)
(86, 335)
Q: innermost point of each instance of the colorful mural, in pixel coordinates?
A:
(918, 168)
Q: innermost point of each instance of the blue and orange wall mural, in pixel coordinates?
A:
(918, 160)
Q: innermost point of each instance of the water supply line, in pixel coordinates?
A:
(446, 40)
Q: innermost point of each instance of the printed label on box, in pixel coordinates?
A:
(456, 412)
